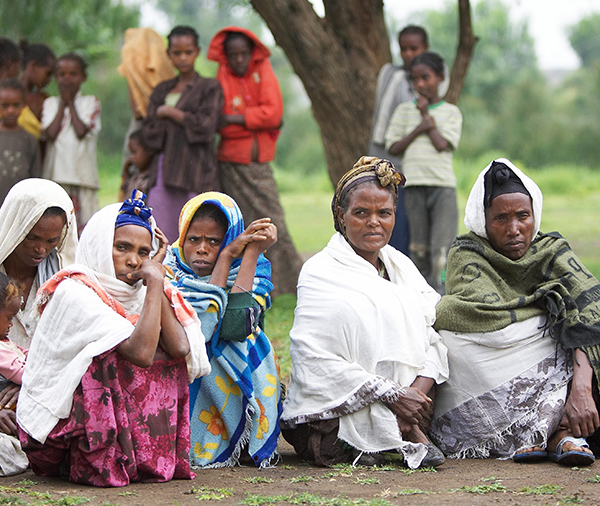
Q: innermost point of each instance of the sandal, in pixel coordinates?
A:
(574, 457)
(523, 457)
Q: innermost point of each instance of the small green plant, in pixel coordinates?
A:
(410, 491)
(203, 493)
(303, 478)
(129, 493)
(570, 499)
(481, 489)
(547, 489)
(257, 479)
(408, 472)
(26, 483)
(261, 500)
(287, 467)
(594, 479)
(12, 500)
(491, 478)
(71, 500)
(367, 481)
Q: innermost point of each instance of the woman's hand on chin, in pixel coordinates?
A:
(150, 271)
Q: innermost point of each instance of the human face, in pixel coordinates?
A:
(202, 244)
(369, 220)
(139, 156)
(426, 82)
(40, 75)
(183, 52)
(7, 314)
(239, 54)
(70, 74)
(11, 105)
(131, 246)
(411, 45)
(40, 241)
(510, 224)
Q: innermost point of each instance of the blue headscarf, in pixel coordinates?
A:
(135, 212)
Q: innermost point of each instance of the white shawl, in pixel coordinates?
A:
(77, 326)
(356, 338)
(22, 208)
(475, 209)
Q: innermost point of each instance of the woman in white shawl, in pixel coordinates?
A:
(38, 237)
(364, 353)
(521, 320)
(105, 393)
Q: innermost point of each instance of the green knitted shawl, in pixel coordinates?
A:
(487, 291)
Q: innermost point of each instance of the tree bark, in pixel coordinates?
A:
(337, 57)
(464, 52)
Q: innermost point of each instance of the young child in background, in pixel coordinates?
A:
(12, 363)
(139, 170)
(180, 124)
(394, 88)
(38, 67)
(10, 65)
(19, 150)
(71, 123)
(250, 124)
(424, 133)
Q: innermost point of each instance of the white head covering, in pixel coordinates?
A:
(95, 253)
(22, 209)
(475, 209)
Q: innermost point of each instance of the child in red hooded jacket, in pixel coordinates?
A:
(249, 128)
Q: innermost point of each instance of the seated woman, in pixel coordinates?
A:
(220, 270)
(104, 399)
(364, 353)
(38, 237)
(522, 326)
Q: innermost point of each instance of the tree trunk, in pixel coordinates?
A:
(337, 57)
(464, 52)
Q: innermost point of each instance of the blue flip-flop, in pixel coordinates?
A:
(574, 457)
(523, 457)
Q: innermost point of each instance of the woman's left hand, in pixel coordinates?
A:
(164, 111)
(581, 412)
(163, 242)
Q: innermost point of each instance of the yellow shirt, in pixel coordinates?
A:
(29, 123)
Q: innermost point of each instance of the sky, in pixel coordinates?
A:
(548, 24)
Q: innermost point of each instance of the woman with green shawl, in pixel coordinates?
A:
(521, 320)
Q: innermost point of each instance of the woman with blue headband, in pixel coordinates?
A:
(104, 399)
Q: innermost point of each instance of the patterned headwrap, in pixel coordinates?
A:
(135, 212)
(368, 168)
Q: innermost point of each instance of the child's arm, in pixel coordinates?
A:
(11, 366)
(254, 233)
(245, 277)
(398, 127)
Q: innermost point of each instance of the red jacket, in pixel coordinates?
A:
(256, 96)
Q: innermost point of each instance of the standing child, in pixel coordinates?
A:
(12, 363)
(71, 124)
(19, 151)
(394, 88)
(38, 67)
(250, 123)
(425, 132)
(139, 169)
(181, 123)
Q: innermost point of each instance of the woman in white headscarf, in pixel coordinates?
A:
(38, 237)
(105, 393)
(521, 320)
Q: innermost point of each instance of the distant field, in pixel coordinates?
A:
(571, 206)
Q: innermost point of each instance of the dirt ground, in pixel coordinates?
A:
(467, 482)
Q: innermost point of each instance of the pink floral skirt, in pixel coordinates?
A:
(127, 424)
